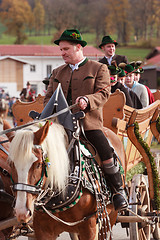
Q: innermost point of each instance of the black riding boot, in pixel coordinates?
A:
(119, 198)
(114, 179)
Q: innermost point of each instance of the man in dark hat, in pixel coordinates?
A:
(121, 78)
(115, 84)
(136, 87)
(87, 83)
(108, 45)
(27, 94)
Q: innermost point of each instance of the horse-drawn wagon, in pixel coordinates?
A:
(135, 129)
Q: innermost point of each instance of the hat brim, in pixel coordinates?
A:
(139, 71)
(116, 72)
(121, 75)
(82, 42)
(102, 44)
(46, 82)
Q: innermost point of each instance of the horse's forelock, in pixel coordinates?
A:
(21, 146)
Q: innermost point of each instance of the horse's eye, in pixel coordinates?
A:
(10, 163)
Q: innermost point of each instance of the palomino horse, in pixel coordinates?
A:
(41, 149)
(3, 108)
(6, 196)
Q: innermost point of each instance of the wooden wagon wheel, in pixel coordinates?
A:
(139, 194)
(156, 233)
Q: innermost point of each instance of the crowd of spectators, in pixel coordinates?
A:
(26, 95)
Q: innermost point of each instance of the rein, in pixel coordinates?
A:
(71, 224)
(53, 115)
(39, 120)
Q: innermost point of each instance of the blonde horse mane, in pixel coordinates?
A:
(54, 147)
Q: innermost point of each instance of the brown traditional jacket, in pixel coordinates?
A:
(91, 80)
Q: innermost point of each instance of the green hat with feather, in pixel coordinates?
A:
(72, 35)
(107, 40)
(122, 73)
(114, 69)
(138, 68)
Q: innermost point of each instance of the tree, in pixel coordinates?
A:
(39, 16)
(156, 16)
(118, 18)
(97, 20)
(16, 15)
(63, 15)
(143, 18)
(48, 7)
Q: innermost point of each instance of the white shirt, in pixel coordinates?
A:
(109, 59)
(75, 67)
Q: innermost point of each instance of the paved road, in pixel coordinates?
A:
(118, 234)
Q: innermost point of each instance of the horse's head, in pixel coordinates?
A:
(28, 169)
(31, 157)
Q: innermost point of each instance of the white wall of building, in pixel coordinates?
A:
(36, 77)
(10, 88)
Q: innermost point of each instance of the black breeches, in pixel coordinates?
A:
(100, 142)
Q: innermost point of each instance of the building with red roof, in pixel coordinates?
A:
(151, 75)
(33, 63)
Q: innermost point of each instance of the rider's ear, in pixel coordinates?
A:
(41, 134)
(6, 126)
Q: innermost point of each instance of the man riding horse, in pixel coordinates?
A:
(87, 83)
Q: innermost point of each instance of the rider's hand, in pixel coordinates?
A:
(82, 102)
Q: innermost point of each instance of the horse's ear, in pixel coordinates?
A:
(6, 126)
(41, 134)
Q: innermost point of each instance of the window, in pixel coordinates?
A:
(32, 68)
(49, 70)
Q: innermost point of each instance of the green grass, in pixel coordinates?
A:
(6, 39)
(132, 53)
(46, 40)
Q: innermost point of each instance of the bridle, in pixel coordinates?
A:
(32, 189)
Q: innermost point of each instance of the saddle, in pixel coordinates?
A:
(85, 172)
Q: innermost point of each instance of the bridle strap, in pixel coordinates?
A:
(33, 189)
(3, 149)
(26, 188)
